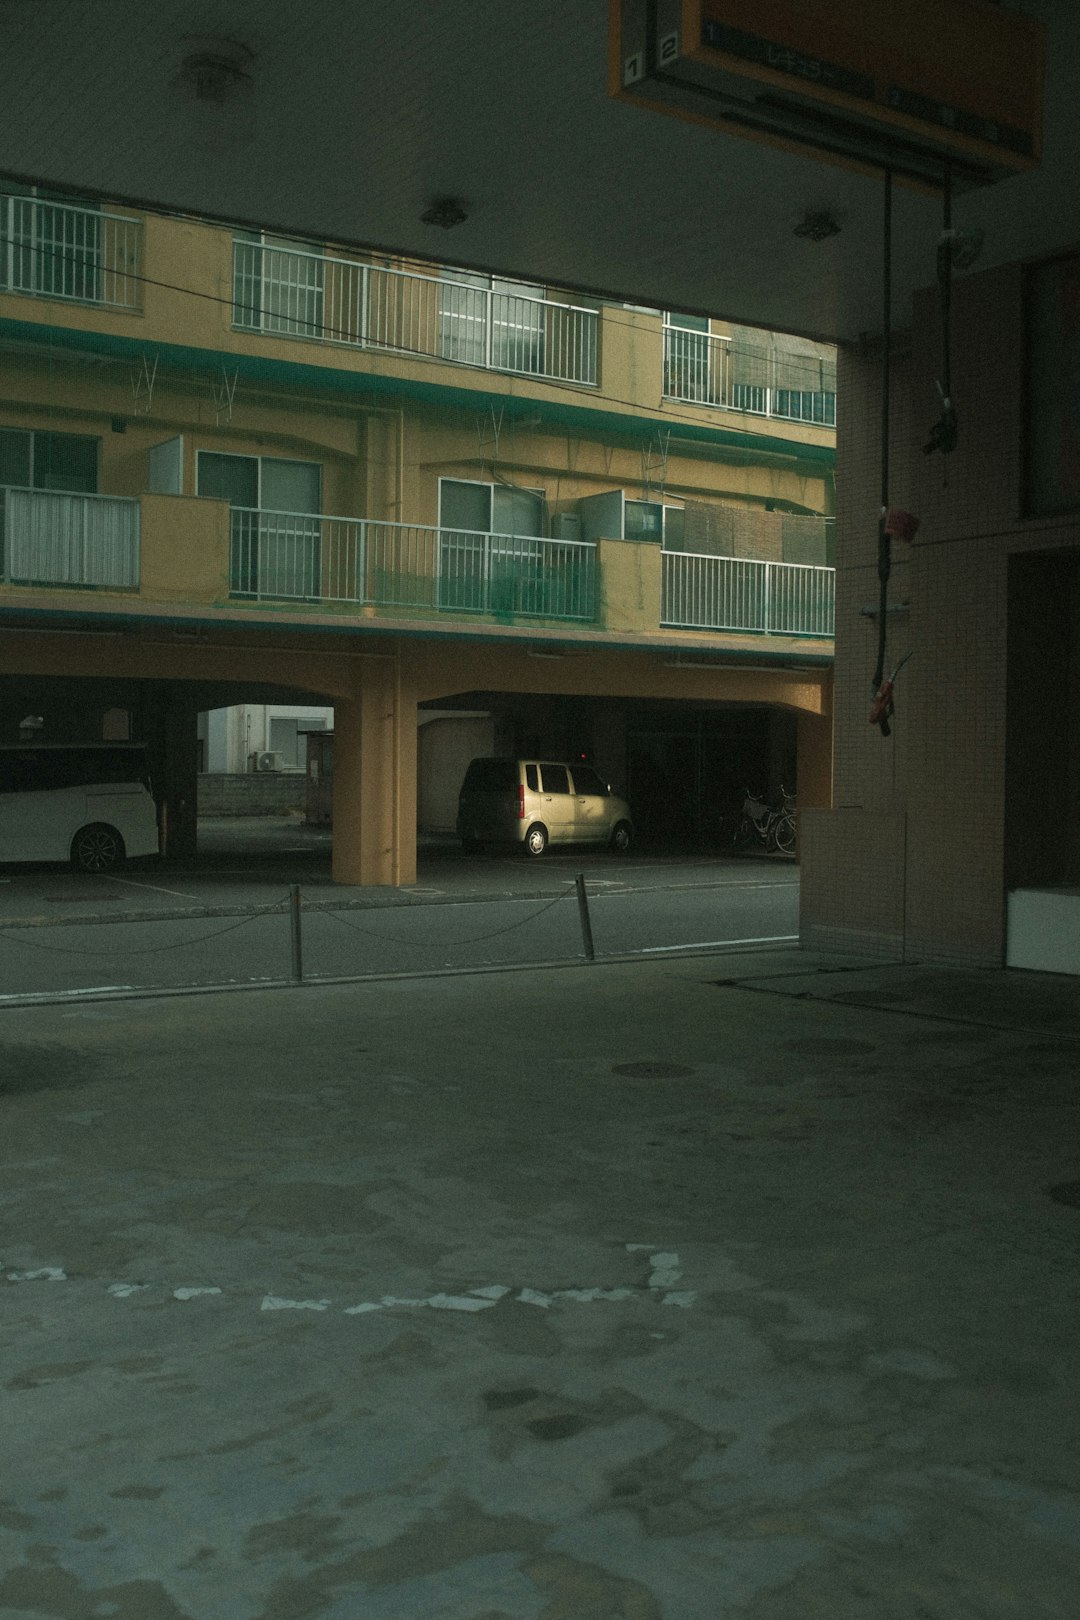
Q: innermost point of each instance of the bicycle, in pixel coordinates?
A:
(771, 825)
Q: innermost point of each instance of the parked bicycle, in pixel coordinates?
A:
(769, 824)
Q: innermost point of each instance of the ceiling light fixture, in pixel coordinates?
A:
(444, 211)
(213, 69)
(817, 225)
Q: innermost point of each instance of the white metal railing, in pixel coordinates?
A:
(734, 593)
(702, 368)
(60, 250)
(51, 538)
(332, 300)
(291, 556)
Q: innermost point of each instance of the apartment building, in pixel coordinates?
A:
(449, 511)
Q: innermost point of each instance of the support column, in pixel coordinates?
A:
(375, 779)
(170, 728)
(815, 761)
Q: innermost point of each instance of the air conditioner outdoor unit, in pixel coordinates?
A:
(268, 761)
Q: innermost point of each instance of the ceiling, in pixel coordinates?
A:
(363, 111)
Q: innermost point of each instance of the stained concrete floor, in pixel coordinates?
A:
(608, 1293)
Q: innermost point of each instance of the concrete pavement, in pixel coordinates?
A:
(735, 1286)
(248, 862)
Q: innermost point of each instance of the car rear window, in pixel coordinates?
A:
(491, 776)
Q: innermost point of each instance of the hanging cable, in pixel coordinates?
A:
(884, 539)
(944, 431)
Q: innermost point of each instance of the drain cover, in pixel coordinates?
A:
(652, 1071)
(1066, 1192)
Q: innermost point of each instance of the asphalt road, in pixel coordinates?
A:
(226, 920)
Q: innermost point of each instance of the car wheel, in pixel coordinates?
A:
(97, 848)
(536, 839)
(622, 837)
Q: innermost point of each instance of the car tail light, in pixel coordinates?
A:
(521, 801)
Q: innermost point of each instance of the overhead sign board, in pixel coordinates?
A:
(921, 87)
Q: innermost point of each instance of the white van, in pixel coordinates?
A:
(88, 803)
(537, 802)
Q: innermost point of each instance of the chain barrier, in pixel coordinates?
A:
(275, 907)
(292, 906)
(443, 944)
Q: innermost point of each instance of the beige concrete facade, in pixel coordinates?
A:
(382, 424)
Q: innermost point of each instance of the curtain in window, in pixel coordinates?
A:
(463, 316)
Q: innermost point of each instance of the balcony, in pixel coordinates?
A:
(703, 369)
(733, 593)
(301, 557)
(288, 292)
(190, 550)
(58, 250)
(49, 538)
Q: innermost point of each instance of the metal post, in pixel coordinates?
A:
(583, 913)
(295, 934)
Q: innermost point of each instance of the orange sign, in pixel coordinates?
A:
(918, 86)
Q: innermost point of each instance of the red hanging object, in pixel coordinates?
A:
(901, 525)
(882, 708)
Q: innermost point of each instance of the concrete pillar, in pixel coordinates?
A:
(375, 779)
(815, 761)
(170, 727)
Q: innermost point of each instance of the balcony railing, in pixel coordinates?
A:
(59, 250)
(732, 593)
(291, 556)
(329, 300)
(49, 538)
(702, 369)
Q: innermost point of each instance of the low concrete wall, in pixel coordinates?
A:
(256, 793)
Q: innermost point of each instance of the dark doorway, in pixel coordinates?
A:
(1042, 748)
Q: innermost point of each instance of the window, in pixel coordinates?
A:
(287, 736)
(50, 243)
(643, 520)
(491, 776)
(804, 387)
(488, 321)
(693, 360)
(805, 405)
(587, 781)
(277, 285)
(46, 769)
(484, 533)
(31, 460)
(750, 376)
(66, 461)
(556, 778)
(275, 527)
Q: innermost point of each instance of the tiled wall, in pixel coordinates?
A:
(920, 815)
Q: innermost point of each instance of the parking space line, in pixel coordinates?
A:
(711, 944)
(132, 883)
